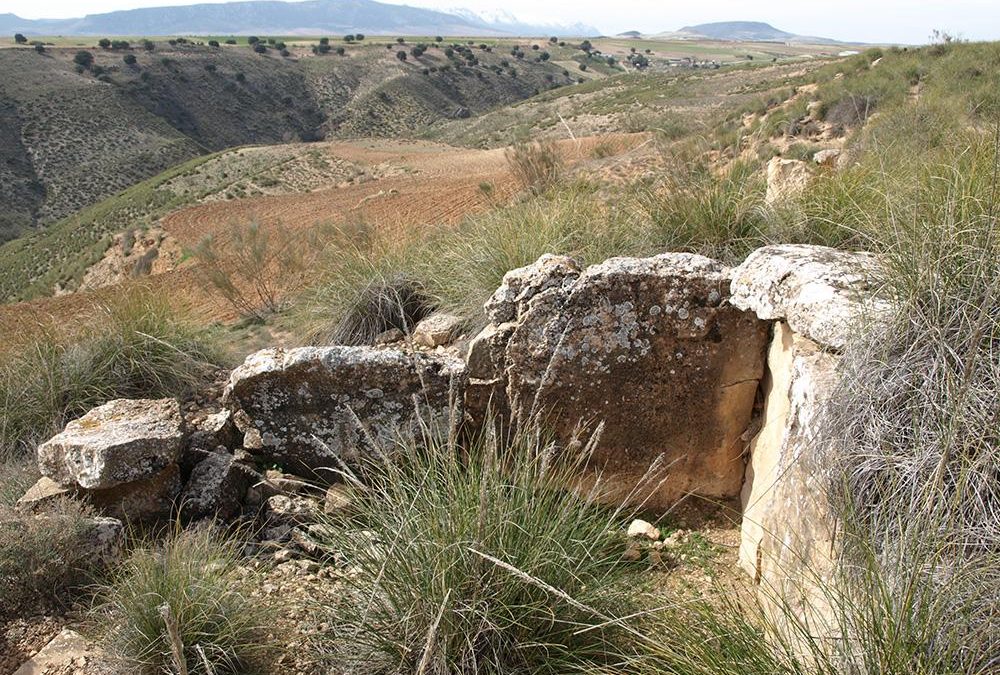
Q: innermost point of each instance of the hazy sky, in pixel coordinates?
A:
(864, 20)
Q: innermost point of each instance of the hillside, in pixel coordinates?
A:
(312, 17)
(72, 136)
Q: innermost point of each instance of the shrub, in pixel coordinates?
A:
(401, 55)
(20, 39)
(260, 48)
(104, 43)
(148, 45)
(253, 268)
(133, 345)
(184, 606)
(43, 558)
(453, 550)
(129, 59)
(213, 43)
(39, 47)
(536, 166)
(83, 59)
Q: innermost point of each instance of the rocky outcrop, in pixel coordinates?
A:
(119, 442)
(787, 542)
(820, 292)
(317, 407)
(786, 178)
(648, 348)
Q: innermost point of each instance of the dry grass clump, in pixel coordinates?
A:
(133, 345)
(915, 424)
(472, 558)
(43, 558)
(183, 605)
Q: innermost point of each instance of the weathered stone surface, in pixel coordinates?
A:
(785, 178)
(142, 501)
(213, 430)
(437, 329)
(821, 292)
(650, 348)
(102, 537)
(216, 488)
(788, 534)
(522, 284)
(314, 407)
(69, 653)
(119, 442)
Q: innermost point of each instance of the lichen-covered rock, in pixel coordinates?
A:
(437, 330)
(216, 429)
(119, 442)
(216, 488)
(649, 348)
(522, 284)
(821, 292)
(786, 178)
(315, 407)
(788, 543)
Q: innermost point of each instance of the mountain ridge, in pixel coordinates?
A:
(743, 31)
(279, 17)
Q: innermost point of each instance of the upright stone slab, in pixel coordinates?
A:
(816, 296)
(647, 347)
(316, 407)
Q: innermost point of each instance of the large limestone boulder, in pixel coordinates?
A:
(786, 178)
(315, 407)
(821, 292)
(649, 348)
(119, 442)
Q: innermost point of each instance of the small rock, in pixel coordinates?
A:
(786, 178)
(44, 491)
(283, 555)
(437, 329)
(641, 529)
(827, 157)
(67, 652)
(295, 510)
(216, 488)
(633, 552)
(391, 336)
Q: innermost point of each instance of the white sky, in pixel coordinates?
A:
(908, 21)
